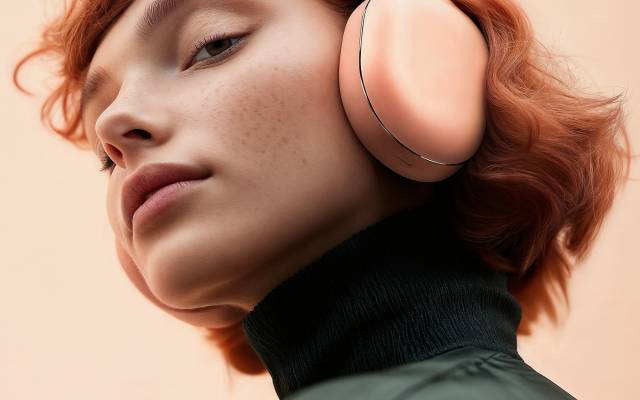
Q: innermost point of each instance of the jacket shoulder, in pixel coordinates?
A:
(463, 373)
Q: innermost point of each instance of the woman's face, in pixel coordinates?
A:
(261, 112)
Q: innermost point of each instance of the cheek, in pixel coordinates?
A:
(273, 119)
(258, 118)
(113, 200)
(274, 105)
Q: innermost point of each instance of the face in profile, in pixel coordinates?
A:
(247, 91)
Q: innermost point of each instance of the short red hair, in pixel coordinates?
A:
(535, 194)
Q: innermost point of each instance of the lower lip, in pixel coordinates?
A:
(161, 200)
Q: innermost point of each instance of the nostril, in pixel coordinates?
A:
(139, 132)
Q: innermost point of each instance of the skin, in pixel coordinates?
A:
(290, 178)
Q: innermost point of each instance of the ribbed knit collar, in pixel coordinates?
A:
(399, 291)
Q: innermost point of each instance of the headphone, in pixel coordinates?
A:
(412, 83)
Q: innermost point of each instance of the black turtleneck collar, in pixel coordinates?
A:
(399, 291)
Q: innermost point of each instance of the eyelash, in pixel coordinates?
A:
(106, 162)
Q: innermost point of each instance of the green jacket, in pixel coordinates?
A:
(465, 373)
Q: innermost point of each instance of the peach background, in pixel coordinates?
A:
(73, 327)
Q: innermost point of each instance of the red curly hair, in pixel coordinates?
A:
(534, 196)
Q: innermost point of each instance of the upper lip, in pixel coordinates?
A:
(151, 177)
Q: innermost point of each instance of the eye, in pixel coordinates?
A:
(213, 47)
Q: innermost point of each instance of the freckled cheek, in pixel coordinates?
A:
(261, 121)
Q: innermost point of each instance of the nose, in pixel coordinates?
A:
(135, 121)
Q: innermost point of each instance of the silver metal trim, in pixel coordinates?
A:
(364, 13)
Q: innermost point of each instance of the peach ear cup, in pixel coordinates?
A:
(412, 82)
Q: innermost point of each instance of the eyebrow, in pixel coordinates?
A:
(154, 14)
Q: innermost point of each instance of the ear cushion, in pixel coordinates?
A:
(412, 82)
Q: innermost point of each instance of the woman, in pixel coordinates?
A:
(296, 249)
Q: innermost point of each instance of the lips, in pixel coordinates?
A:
(152, 177)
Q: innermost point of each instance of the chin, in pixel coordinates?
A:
(211, 317)
(178, 274)
(174, 287)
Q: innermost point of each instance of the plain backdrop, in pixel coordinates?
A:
(73, 327)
